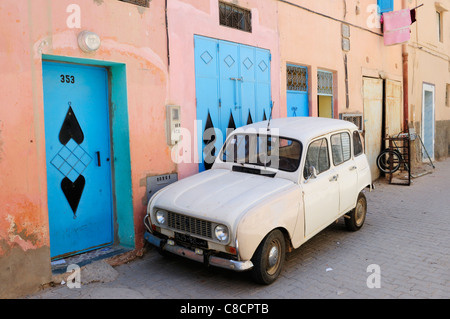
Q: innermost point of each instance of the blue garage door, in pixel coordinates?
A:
(232, 90)
(77, 138)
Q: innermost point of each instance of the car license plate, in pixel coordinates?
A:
(191, 240)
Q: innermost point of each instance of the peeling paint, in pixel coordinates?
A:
(23, 226)
(21, 237)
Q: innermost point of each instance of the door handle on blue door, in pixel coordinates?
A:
(99, 164)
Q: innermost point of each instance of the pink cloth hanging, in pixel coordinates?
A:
(396, 26)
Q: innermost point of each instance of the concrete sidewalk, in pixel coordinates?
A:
(404, 248)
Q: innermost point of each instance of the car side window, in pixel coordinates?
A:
(317, 156)
(357, 144)
(340, 148)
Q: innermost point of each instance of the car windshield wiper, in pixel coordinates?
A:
(255, 171)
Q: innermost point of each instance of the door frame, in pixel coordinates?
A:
(428, 87)
(332, 95)
(104, 175)
(122, 201)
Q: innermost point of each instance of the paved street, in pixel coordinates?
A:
(406, 235)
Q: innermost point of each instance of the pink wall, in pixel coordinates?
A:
(191, 17)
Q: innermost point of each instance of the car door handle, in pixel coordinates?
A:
(353, 168)
(334, 178)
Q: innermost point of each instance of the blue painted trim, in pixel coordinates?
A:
(385, 6)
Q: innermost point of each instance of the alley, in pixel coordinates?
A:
(403, 251)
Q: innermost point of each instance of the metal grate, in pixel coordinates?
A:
(235, 17)
(297, 78)
(325, 83)
(142, 3)
(356, 119)
(190, 225)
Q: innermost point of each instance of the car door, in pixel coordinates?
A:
(361, 163)
(320, 192)
(346, 170)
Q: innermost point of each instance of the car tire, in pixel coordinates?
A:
(355, 219)
(269, 258)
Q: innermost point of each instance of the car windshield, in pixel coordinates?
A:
(263, 150)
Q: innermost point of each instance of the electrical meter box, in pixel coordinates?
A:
(173, 124)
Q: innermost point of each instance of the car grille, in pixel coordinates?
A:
(190, 224)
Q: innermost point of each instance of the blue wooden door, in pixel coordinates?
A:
(263, 98)
(428, 121)
(207, 97)
(297, 100)
(78, 153)
(232, 90)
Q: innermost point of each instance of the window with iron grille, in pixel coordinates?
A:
(235, 17)
(142, 3)
(356, 119)
(297, 78)
(325, 83)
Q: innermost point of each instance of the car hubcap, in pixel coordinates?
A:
(360, 212)
(273, 257)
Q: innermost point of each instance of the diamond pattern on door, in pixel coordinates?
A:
(248, 64)
(206, 57)
(71, 160)
(263, 66)
(229, 61)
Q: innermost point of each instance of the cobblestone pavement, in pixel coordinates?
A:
(407, 234)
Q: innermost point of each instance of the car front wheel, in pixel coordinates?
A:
(354, 220)
(269, 258)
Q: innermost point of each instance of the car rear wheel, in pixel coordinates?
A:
(269, 258)
(354, 220)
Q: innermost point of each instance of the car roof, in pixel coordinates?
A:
(301, 128)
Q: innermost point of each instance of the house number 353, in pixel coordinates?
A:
(67, 79)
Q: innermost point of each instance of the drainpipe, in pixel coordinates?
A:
(405, 80)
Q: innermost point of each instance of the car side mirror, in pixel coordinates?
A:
(312, 173)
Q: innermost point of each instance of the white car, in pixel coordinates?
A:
(273, 186)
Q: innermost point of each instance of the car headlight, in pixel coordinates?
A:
(221, 233)
(161, 217)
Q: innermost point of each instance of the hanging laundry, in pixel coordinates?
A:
(396, 27)
(413, 15)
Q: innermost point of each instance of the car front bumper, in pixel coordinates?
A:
(162, 244)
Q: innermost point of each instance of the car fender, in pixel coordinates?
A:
(282, 210)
